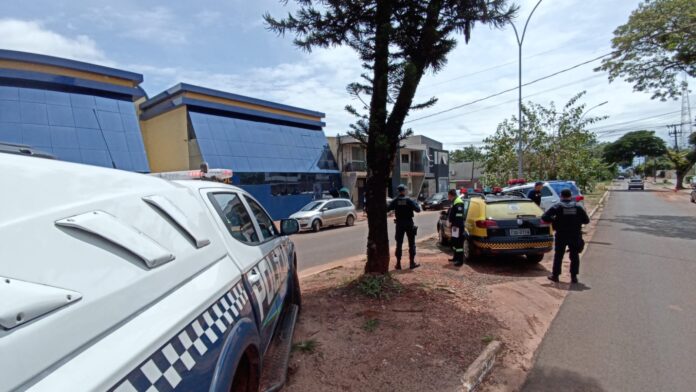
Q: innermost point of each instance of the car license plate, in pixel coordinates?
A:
(519, 232)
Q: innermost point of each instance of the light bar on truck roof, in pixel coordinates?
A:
(212, 174)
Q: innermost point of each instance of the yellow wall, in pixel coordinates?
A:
(245, 105)
(50, 69)
(166, 141)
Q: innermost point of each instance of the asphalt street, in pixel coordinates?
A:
(330, 244)
(631, 323)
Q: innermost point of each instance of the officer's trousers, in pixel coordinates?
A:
(574, 245)
(401, 229)
(458, 247)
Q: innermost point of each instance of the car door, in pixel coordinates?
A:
(330, 213)
(346, 208)
(252, 246)
(548, 198)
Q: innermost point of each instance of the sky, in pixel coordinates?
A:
(224, 45)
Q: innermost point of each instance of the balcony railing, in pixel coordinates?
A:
(355, 166)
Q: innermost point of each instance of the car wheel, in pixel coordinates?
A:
(350, 220)
(442, 239)
(316, 225)
(535, 257)
(692, 199)
(469, 251)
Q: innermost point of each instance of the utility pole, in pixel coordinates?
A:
(675, 131)
(520, 41)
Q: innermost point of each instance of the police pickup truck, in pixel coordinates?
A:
(118, 281)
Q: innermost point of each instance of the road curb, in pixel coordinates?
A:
(478, 370)
(599, 203)
(340, 263)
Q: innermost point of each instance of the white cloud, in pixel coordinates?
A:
(32, 36)
(151, 25)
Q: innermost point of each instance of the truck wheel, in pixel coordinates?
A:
(296, 293)
(350, 220)
(535, 257)
(245, 379)
(316, 226)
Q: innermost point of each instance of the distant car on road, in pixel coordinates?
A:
(324, 213)
(636, 183)
(501, 225)
(620, 178)
(437, 201)
(550, 193)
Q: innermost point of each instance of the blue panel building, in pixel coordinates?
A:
(75, 111)
(277, 152)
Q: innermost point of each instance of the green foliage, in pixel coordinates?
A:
(467, 154)
(555, 145)
(306, 346)
(378, 286)
(656, 44)
(370, 325)
(487, 339)
(634, 144)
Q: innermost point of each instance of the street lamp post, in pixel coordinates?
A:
(593, 107)
(520, 41)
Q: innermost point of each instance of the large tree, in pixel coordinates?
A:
(634, 144)
(654, 47)
(398, 41)
(467, 154)
(683, 161)
(555, 145)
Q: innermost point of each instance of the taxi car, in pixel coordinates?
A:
(118, 281)
(501, 225)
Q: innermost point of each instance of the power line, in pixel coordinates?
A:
(515, 100)
(508, 90)
(601, 128)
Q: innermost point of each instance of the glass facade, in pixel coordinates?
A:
(259, 147)
(73, 127)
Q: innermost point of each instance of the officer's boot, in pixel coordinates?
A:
(398, 263)
(413, 264)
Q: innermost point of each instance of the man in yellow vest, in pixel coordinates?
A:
(456, 219)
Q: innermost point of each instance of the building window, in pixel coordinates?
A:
(405, 158)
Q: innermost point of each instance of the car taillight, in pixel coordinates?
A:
(543, 223)
(579, 198)
(486, 224)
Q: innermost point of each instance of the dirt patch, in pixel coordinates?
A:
(421, 336)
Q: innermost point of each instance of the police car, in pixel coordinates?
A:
(117, 281)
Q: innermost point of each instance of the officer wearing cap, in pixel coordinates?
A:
(567, 218)
(404, 208)
(456, 220)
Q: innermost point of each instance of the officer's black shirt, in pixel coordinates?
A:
(403, 208)
(535, 196)
(567, 218)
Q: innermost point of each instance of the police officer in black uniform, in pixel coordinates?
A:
(456, 220)
(567, 218)
(535, 194)
(403, 208)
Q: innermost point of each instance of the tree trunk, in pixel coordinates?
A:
(379, 161)
(680, 179)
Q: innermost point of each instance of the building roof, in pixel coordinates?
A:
(41, 59)
(462, 170)
(237, 105)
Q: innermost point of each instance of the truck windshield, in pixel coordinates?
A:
(312, 206)
(559, 186)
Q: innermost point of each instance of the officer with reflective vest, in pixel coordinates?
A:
(456, 220)
(404, 208)
(567, 218)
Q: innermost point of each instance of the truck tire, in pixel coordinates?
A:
(245, 379)
(535, 257)
(296, 292)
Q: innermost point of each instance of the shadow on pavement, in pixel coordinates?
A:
(567, 286)
(670, 226)
(552, 379)
(636, 190)
(508, 266)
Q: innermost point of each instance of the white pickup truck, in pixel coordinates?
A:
(117, 281)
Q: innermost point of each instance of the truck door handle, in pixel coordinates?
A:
(254, 278)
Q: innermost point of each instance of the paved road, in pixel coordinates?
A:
(631, 324)
(331, 244)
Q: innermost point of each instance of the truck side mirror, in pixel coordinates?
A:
(289, 226)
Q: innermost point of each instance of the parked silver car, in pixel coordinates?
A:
(324, 213)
